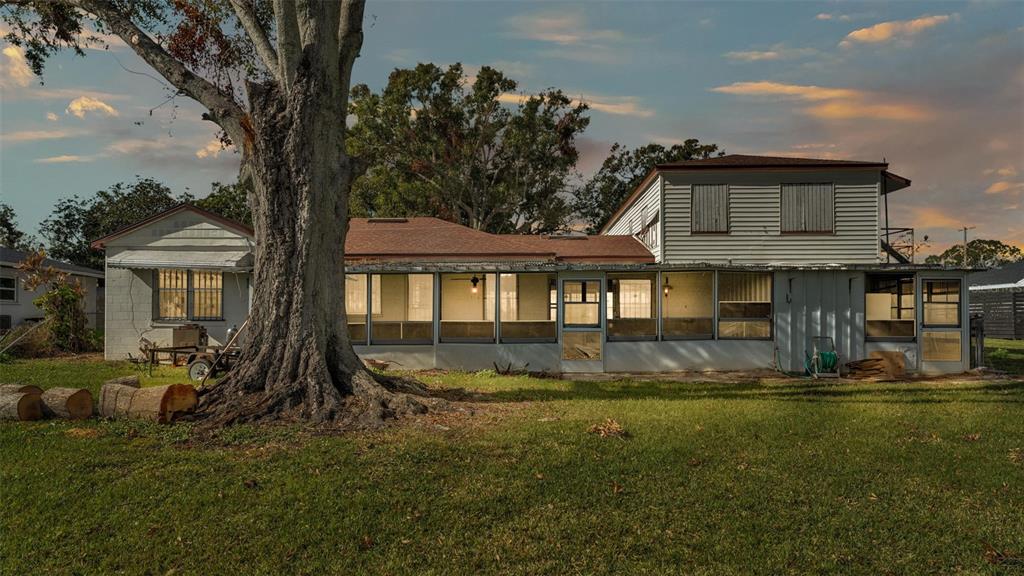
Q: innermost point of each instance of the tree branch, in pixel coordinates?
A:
(223, 109)
(247, 17)
(350, 37)
(289, 49)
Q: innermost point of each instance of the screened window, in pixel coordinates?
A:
(631, 307)
(402, 309)
(581, 303)
(581, 346)
(710, 208)
(687, 305)
(8, 289)
(745, 305)
(941, 303)
(467, 307)
(808, 208)
(940, 346)
(889, 305)
(355, 305)
(189, 295)
(526, 313)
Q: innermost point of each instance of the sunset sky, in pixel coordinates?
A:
(937, 89)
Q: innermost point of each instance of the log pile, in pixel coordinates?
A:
(70, 403)
(160, 404)
(20, 406)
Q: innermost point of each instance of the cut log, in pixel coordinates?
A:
(70, 403)
(20, 406)
(26, 388)
(132, 381)
(158, 404)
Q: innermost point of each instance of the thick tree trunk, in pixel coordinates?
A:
(298, 362)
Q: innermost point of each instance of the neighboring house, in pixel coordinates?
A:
(16, 303)
(729, 263)
(998, 294)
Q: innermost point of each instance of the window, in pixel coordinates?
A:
(687, 305)
(745, 305)
(889, 305)
(631, 307)
(581, 303)
(808, 208)
(467, 307)
(941, 303)
(581, 346)
(940, 346)
(526, 308)
(649, 234)
(9, 289)
(710, 208)
(402, 309)
(189, 295)
(355, 305)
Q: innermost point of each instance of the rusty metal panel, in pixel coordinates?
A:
(710, 208)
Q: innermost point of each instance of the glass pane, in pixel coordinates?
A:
(889, 305)
(630, 307)
(172, 291)
(402, 308)
(206, 294)
(687, 304)
(760, 329)
(581, 346)
(526, 308)
(744, 304)
(355, 306)
(467, 307)
(941, 302)
(940, 346)
(581, 303)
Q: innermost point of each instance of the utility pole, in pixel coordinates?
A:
(965, 229)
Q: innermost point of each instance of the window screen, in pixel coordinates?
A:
(808, 207)
(941, 302)
(710, 210)
(889, 303)
(744, 305)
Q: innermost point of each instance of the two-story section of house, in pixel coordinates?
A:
(783, 250)
(736, 262)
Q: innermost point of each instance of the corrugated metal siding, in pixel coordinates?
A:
(710, 208)
(818, 303)
(632, 220)
(808, 207)
(755, 236)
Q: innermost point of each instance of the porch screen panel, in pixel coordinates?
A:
(940, 346)
(467, 307)
(402, 309)
(941, 303)
(355, 306)
(207, 295)
(710, 210)
(172, 294)
(745, 305)
(631, 307)
(581, 303)
(808, 208)
(687, 305)
(526, 308)
(889, 305)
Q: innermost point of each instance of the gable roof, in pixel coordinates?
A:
(1007, 275)
(11, 257)
(592, 248)
(183, 207)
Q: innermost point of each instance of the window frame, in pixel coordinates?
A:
(959, 304)
(552, 313)
(782, 210)
(771, 308)
(728, 209)
(583, 291)
(913, 297)
(614, 278)
(373, 313)
(189, 297)
(13, 290)
(708, 336)
(494, 309)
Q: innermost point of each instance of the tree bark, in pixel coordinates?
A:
(160, 404)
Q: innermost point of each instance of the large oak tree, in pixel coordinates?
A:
(274, 75)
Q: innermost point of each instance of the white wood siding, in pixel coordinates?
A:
(755, 221)
(631, 222)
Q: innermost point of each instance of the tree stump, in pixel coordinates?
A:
(70, 403)
(26, 388)
(20, 406)
(158, 404)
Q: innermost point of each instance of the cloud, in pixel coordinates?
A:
(776, 52)
(565, 28)
(14, 70)
(52, 117)
(1003, 186)
(932, 217)
(833, 103)
(84, 104)
(63, 159)
(1004, 171)
(893, 30)
(615, 105)
(212, 149)
(37, 135)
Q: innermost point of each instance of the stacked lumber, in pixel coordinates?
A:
(20, 403)
(881, 365)
(895, 362)
(161, 404)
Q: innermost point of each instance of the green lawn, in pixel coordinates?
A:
(791, 476)
(1005, 355)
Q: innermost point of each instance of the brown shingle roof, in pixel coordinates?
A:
(592, 248)
(748, 161)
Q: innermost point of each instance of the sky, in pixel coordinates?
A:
(934, 88)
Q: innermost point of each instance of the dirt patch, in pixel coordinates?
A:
(83, 433)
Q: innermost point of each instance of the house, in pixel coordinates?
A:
(17, 303)
(998, 295)
(734, 262)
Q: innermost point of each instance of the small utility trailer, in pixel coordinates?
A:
(201, 360)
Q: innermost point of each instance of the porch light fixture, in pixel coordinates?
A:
(474, 281)
(666, 287)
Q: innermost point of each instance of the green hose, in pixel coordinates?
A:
(828, 361)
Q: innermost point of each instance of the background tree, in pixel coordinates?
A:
(76, 221)
(622, 171)
(274, 75)
(439, 144)
(10, 235)
(61, 302)
(229, 200)
(980, 253)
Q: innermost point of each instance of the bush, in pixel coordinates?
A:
(36, 344)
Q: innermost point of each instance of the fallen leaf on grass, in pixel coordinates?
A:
(608, 429)
(1017, 455)
(617, 488)
(251, 484)
(999, 557)
(972, 437)
(366, 543)
(695, 462)
(538, 476)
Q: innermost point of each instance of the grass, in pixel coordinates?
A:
(792, 476)
(1007, 355)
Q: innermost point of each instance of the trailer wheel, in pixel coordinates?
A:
(199, 368)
